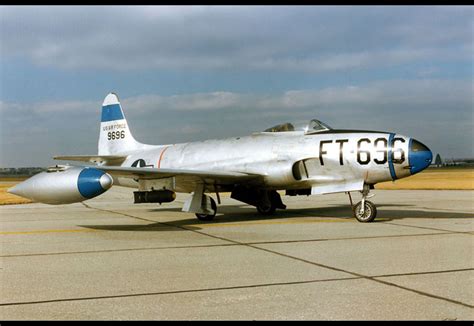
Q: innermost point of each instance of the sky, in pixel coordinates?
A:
(186, 73)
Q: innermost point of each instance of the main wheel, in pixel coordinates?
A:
(266, 209)
(208, 217)
(370, 212)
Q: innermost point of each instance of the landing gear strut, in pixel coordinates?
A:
(208, 217)
(364, 211)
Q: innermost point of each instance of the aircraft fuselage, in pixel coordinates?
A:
(290, 160)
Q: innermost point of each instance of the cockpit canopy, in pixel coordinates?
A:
(311, 127)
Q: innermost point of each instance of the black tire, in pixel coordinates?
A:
(370, 212)
(208, 217)
(266, 210)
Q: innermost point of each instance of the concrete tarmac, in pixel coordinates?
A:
(110, 259)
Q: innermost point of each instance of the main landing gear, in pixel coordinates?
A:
(364, 211)
(208, 217)
(201, 204)
(268, 202)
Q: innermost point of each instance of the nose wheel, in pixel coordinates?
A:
(365, 214)
(364, 211)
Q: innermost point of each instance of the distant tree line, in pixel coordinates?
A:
(20, 171)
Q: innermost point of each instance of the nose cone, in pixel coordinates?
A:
(18, 190)
(419, 157)
(92, 182)
(25, 189)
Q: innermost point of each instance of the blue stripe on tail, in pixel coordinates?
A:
(112, 112)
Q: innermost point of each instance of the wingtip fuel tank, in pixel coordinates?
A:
(64, 185)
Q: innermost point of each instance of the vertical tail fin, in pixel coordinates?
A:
(115, 136)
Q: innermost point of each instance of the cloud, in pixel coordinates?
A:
(372, 95)
(437, 112)
(368, 97)
(199, 101)
(309, 39)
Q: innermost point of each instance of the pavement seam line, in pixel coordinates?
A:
(211, 289)
(220, 245)
(175, 292)
(371, 278)
(428, 228)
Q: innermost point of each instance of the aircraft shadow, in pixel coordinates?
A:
(243, 213)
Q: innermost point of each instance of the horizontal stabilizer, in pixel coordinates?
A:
(98, 159)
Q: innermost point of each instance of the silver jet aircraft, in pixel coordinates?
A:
(304, 159)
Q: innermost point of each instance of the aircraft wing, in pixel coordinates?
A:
(184, 178)
(153, 173)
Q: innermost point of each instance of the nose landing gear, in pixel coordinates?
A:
(364, 211)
